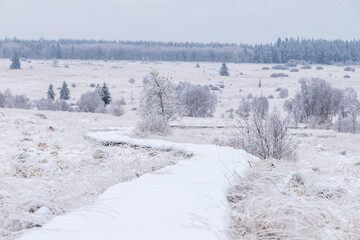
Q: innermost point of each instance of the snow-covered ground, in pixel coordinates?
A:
(36, 75)
(48, 166)
(183, 201)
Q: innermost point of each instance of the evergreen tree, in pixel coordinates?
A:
(105, 94)
(15, 61)
(224, 70)
(51, 93)
(65, 92)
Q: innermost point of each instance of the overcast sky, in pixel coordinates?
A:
(235, 21)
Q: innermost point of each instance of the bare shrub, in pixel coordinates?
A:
(319, 68)
(196, 100)
(267, 137)
(346, 76)
(265, 68)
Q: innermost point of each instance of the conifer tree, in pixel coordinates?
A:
(65, 92)
(224, 70)
(15, 61)
(105, 94)
(51, 93)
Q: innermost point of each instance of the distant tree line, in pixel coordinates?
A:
(308, 50)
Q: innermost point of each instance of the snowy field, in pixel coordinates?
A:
(49, 166)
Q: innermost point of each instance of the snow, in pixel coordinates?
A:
(183, 201)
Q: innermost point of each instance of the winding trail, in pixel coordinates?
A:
(182, 201)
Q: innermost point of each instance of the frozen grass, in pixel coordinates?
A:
(275, 202)
(47, 168)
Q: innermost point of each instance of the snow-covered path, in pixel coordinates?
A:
(183, 201)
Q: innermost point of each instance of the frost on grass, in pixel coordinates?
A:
(279, 200)
(47, 168)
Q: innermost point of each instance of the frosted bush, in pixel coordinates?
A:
(22, 101)
(280, 67)
(277, 75)
(90, 102)
(306, 67)
(116, 108)
(284, 93)
(196, 100)
(350, 69)
(48, 104)
(8, 100)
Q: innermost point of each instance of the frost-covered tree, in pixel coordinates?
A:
(15, 61)
(318, 101)
(105, 94)
(352, 107)
(196, 100)
(260, 106)
(98, 89)
(224, 70)
(158, 104)
(259, 83)
(50, 93)
(244, 108)
(90, 102)
(64, 91)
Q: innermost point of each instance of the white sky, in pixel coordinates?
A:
(246, 21)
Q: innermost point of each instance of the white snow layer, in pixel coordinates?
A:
(182, 201)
